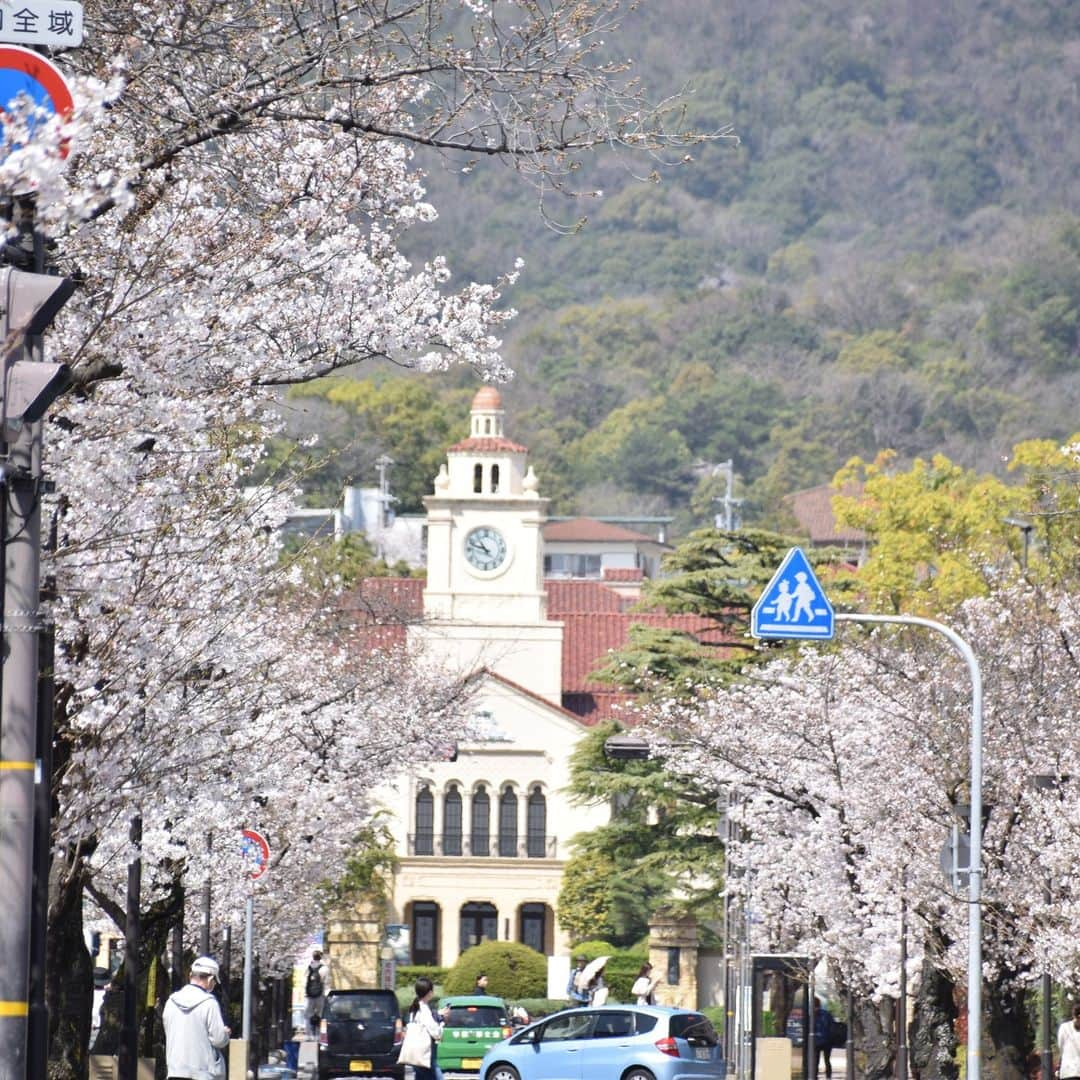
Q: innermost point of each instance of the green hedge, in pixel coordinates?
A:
(407, 974)
(514, 971)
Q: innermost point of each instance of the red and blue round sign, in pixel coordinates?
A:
(256, 852)
(23, 71)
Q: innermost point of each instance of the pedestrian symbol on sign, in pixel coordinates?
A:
(793, 605)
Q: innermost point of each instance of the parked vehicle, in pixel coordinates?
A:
(613, 1042)
(473, 1024)
(360, 1032)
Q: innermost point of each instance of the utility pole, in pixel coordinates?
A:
(729, 519)
(29, 302)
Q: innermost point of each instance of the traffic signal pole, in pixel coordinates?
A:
(18, 737)
(28, 304)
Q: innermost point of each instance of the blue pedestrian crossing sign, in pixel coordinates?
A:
(794, 604)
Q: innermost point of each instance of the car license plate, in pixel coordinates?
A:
(471, 1063)
(702, 1053)
(359, 1066)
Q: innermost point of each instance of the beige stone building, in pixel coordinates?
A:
(483, 840)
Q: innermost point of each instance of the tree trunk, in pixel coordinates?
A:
(875, 1036)
(69, 977)
(933, 1029)
(1008, 1040)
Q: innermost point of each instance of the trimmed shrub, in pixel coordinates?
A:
(407, 974)
(592, 949)
(514, 971)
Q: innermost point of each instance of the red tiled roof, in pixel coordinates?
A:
(487, 444)
(594, 618)
(589, 529)
(623, 573)
(814, 513)
(387, 599)
(578, 595)
(589, 636)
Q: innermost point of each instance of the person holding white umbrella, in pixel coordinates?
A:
(590, 979)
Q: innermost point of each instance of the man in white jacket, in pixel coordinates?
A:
(194, 1030)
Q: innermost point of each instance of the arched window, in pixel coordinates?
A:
(478, 477)
(451, 827)
(487, 425)
(494, 479)
(479, 922)
(536, 825)
(425, 822)
(425, 933)
(481, 822)
(508, 825)
(533, 919)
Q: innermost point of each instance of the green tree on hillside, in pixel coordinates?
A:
(410, 419)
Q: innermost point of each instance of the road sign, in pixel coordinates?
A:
(23, 71)
(256, 851)
(955, 859)
(58, 23)
(794, 604)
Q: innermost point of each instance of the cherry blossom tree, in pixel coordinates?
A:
(847, 765)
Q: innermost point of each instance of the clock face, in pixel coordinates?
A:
(485, 548)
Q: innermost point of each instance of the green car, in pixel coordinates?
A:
(475, 1023)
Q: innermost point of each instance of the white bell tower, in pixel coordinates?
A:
(484, 604)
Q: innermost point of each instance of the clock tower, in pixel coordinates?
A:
(484, 604)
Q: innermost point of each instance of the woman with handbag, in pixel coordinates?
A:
(422, 1033)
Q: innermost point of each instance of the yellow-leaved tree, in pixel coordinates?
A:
(941, 533)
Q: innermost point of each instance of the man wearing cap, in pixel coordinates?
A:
(194, 1031)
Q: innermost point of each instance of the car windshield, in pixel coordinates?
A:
(475, 1016)
(694, 1028)
(365, 1009)
(572, 1025)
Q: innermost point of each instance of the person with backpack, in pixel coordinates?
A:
(316, 987)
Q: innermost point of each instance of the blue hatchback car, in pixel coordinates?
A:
(612, 1042)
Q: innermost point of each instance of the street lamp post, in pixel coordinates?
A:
(1026, 528)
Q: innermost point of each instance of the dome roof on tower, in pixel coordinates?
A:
(487, 397)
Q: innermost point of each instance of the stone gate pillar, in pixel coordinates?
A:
(673, 953)
(353, 938)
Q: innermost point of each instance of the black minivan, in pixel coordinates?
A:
(360, 1032)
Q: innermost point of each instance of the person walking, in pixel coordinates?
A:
(598, 990)
(420, 1013)
(645, 985)
(823, 1036)
(316, 987)
(195, 1033)
(578, 995)
(1069, 1047)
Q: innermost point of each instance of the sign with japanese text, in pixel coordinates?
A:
(57, 23)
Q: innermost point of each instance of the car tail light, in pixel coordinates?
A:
(399, 1031)
(324, 1039)
(668, 1046)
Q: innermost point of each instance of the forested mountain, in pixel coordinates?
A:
(887, 256)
